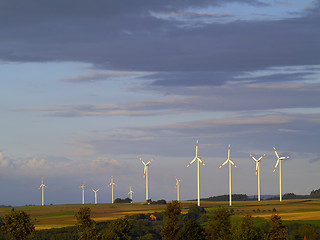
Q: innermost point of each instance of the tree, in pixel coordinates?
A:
(18, 225)
(307, 231)
(86, 226)
(245, 230)
(219, 226)
(195, 211)
(277, 230)
(191, 230)
(118, 229)
(172, 212)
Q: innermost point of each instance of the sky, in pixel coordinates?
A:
(88, 87)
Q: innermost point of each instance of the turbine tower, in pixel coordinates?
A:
(82, 186)
(229, 160)
(130, 193)
(111, 184)
(178, 188)
(279, 162)
(258, 172)
(146, 175)
(198, 158)
(95, 195)
(42, 186)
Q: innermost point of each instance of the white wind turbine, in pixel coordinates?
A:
(178, 188)
(146, 175)
(279, 162)
(95, 195)
(42, 186)
(111, 184)
(82, 186)
(258, 172)
(198, 158)
(130, 193)
(229, 160)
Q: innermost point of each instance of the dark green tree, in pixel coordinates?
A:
(86, 227)
(191, 230)
(307, 231)
(172, 212)
(118, 229)
(18, 225)
(277, 231)
(195, 211)
(119, 200)
(245, 230)
(219, 226)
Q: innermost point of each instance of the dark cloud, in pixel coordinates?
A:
(125, 36)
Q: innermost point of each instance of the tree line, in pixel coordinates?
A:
(169, 224)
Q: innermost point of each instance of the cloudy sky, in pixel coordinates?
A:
(88, 87)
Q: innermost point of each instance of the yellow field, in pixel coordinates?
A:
(55, 216)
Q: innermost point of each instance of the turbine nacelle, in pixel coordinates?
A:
(145, 165)
(278, 159)
(257, 161)
(197, 157)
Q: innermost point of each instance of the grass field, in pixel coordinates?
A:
(55, 216)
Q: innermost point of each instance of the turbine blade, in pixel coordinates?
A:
(257, 165)
(276, 165)
(145, 169)
(142, 161)
(149, 161)
(284, 157)
(109, 185)
(191, 162)
(224, 163)
(233, 163)
(276, 152)
(253, 157)
(261, 157)
(229, 151)
(201, 162)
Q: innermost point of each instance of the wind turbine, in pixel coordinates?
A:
(131, 192)
(279, 162)
(229, 160)
(258, 172)
(198, 158)
(111, 184)
(178, 188)
(82, 186)
(146, 175)
(95, 195)
(42, 186)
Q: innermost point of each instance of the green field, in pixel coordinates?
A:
(55, 216)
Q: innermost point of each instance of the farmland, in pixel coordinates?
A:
(56, 216)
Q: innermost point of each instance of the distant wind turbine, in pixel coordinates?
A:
(258, 172)
(130, 193)
(146, 175)
(42, 186)
(95, 195)
(198, 158)
(178, 188)
(229, 160)
(111, 184)
(279, 162)
(82, 186)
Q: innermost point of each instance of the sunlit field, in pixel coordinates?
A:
(56, 216)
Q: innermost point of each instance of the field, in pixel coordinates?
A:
(55, 216)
